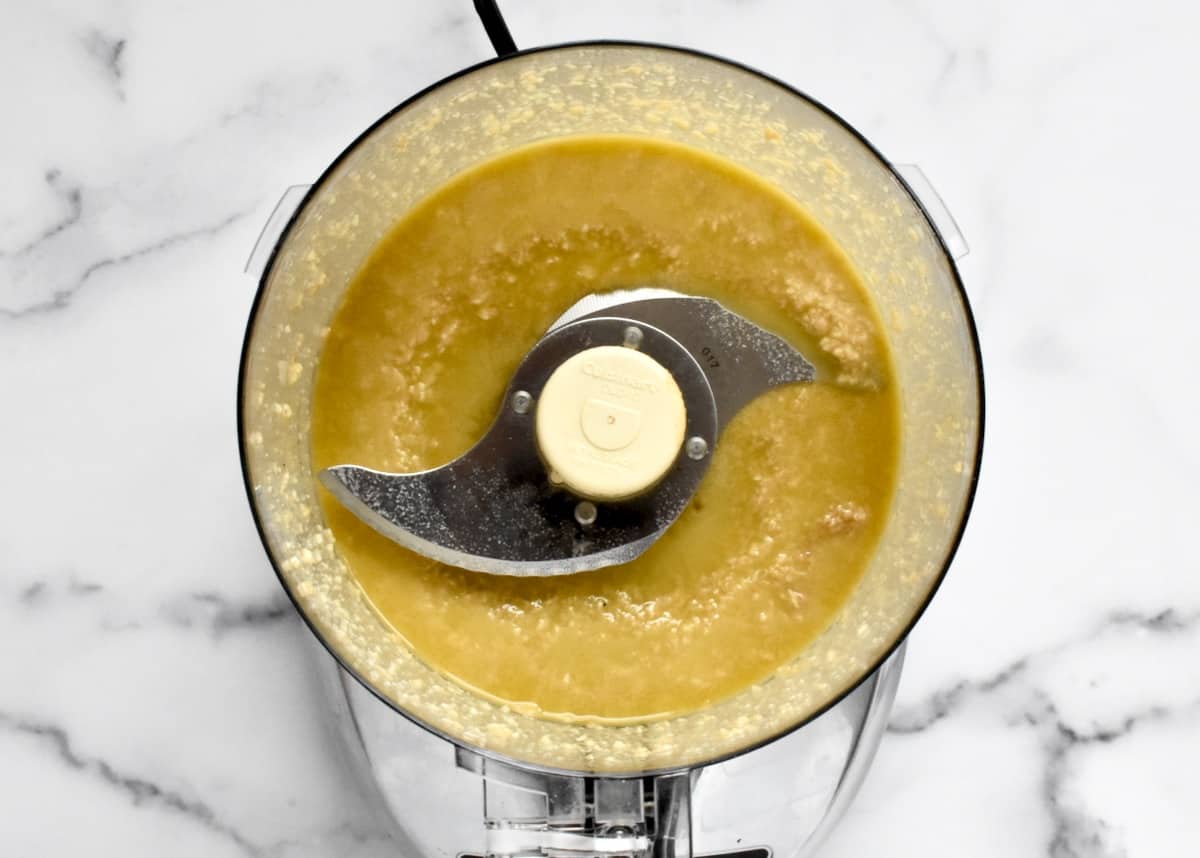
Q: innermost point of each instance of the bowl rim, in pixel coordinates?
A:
(972, 331)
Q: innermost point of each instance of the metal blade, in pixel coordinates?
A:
(494, 510)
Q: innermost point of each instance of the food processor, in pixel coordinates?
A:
(766, 772)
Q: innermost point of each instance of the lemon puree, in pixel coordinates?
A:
(784, 523)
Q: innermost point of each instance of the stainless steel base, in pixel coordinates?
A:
(783, 798)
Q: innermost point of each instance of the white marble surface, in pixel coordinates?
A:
(156, 694)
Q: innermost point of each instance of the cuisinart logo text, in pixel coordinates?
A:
(618, 377)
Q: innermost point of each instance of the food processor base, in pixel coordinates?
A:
(781, 799)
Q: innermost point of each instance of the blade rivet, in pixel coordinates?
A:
(696, 447)
(585, 513)
(521, 401)
(633, 337)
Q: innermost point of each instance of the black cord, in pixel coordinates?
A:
(497, 30)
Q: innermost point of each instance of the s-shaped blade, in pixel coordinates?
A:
(504, 508)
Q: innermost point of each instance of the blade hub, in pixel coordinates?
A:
(610, 422)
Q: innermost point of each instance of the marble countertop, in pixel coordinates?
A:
(156, 689)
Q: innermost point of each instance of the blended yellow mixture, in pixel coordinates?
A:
(797, 495)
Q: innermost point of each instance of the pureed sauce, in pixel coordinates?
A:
(787, 518)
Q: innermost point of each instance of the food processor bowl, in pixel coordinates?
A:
(703, 102)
